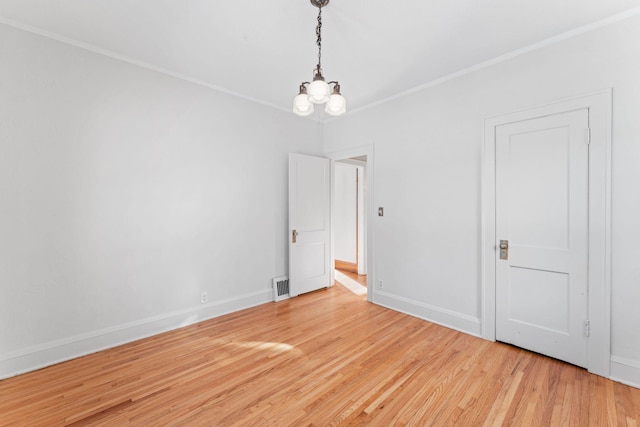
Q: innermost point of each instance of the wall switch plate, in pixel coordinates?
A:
(381, 211)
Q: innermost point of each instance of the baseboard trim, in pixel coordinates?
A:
(441, 316)
(37, 357)
(625, 371)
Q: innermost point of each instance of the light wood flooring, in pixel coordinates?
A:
(325, 358)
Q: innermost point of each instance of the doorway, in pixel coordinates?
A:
(348, 198)
(357, 166)
(349, 223)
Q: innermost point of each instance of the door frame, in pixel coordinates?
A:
(599, 211)
(369, 209)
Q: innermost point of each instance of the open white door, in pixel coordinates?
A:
(542, 232)
(309, 223)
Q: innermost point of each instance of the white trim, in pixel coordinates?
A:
(362, 219)
(502, 58)
(370, 212)
(624, 361)
(350, 284)
(626, 371)
(441, 316)
(352, 162)
(40, 356)
(599, 105)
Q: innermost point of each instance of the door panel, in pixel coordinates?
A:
(528, 285)
(542, 210)
(309, 219)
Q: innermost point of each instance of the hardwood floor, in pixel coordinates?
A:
(326, 358)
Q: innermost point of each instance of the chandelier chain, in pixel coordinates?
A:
(319, 39)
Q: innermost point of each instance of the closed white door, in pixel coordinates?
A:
(542, 219)
(309, 223)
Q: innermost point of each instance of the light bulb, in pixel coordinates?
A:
(337, 105)
(301, 105)
(319, 91)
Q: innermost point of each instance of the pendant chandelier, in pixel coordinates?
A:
(319, 91)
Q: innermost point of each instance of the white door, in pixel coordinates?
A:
(309, 223)
(542, 213)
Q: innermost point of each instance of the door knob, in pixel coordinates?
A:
(294, 236)
(504, 249)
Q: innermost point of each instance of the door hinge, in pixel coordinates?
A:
(587, 328)
(588, 134)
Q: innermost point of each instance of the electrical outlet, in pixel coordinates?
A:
(380, 284)
(204, 297)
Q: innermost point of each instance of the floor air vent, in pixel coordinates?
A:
(280, 288)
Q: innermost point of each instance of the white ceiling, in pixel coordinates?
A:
(264, 49)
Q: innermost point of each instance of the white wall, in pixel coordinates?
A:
(124, 194)
(345, 212)
(427, 176)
